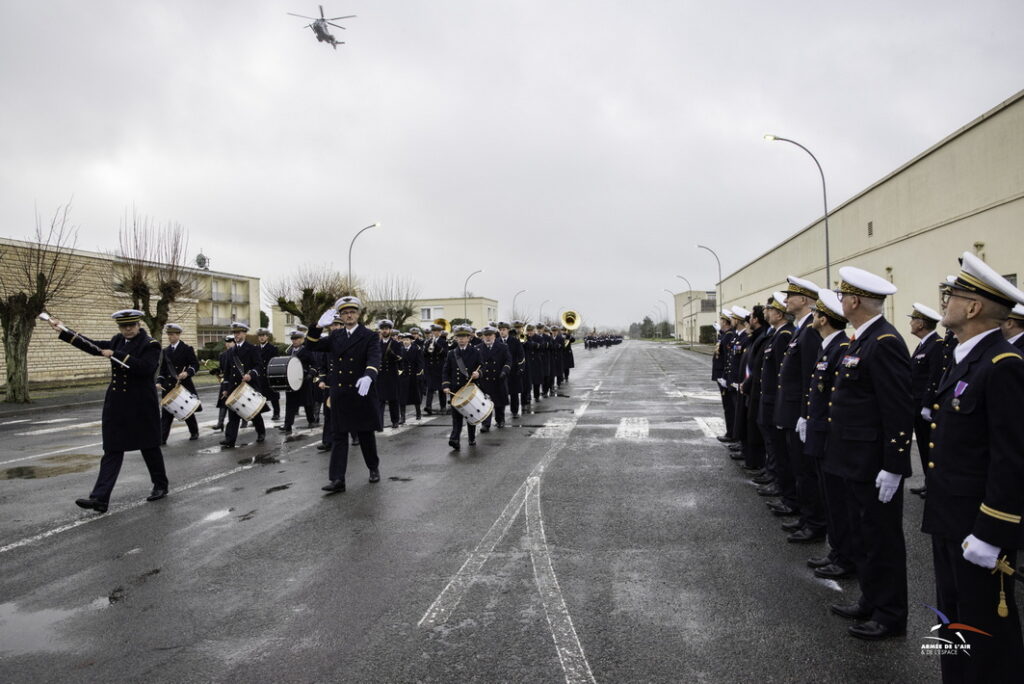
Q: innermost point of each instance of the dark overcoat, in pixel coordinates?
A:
(181, 358)
(350, 357)
(495, 365)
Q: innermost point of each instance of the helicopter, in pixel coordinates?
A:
(320, 25)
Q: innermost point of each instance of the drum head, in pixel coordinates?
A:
(294, 374)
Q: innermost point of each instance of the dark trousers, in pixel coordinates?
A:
(110, 466)
(536, 390)
(339, 453)
(326, 436)
(729, 406)
(275, 404)
(770, 466)
(880, 552)
(526, 398)
(430, 399)
(457, 421)
(167, 419)
(514, 390)
(548, 384)
(923, 432)
(293, 401)
(393, 411)
(785, 475)
(969, 594)
(498, 414)
(231, 431)
(837, 517)
(221, 413)
(808, 488)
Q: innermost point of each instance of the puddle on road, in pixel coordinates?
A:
(217, 515)
(262, 459)
(23, 631)
(394, 478)
(247, 516)
(278, 488)
(64, 464)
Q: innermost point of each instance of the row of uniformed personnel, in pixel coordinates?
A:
(825, 421)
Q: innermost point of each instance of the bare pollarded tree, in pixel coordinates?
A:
(392, 297)
(152, 271)
(31, 277)
(310, 290)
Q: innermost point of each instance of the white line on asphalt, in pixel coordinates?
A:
(567, 643)
(448, 600)
(50, 453)
(53, 420)
(114, 511)
(633, 428)
(831, 584)
(712, 427)
(62, 428)
(12, 422)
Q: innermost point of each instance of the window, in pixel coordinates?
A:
(289, 319)
(425, 314)
(871, 228)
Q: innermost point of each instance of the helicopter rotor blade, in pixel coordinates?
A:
(337, 26)
(300, 15)
(351, 16)
(321, 11)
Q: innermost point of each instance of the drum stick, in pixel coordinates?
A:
(46, 317)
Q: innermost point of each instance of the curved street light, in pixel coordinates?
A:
(514, 302)
(465, 294)
(540, 313)
(721, 297)
(372, 225)
(824, 195)
(689, 301)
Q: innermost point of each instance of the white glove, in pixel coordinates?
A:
(887, 483)
(926, 413)
(980, 552)
(801, 428)
(363, 385)
(327, 318)
(722, 383)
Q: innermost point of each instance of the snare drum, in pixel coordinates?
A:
(284, 373)
(472, 403)
(180, 403)
(246, 402)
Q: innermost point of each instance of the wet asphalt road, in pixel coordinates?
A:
(606, 537)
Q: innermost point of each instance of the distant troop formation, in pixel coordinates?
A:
(822, 401)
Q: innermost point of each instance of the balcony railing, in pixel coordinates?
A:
(240, 298)
(220, 297)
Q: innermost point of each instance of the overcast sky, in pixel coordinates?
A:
(578, 150)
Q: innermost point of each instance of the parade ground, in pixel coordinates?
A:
(605, 536)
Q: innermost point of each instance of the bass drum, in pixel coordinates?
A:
(284, 373)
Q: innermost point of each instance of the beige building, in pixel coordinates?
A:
(694, 309)
(86, 308)
(480, 310)
(223, 298)
(966, 193)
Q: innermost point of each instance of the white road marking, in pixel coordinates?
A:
(54, 420)
(50, 453)
(712, 427)
(114, 511)
(703, 396)
(62, 428)
(830, 583)
(12, 422)
(633, 428)
(555, 429)
(567, 643)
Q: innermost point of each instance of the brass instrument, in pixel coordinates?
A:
(443, 322)
(570, 320)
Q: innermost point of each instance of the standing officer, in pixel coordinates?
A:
(268, 350)
(131, 410)
(925, 364)
(518, 357)
(355, 360)
(976, 477)
(434, 353)
(460, 367)
(830, 323)
(720, 369)
(410, 379)
(794, 381)
(525, 384)
(869, 448)
(387, 379)
(179, 364)
(222, 409)
(534, 360)
(495, 366)
(302, 397)
(568, 360)
(1013, 327)
(778, 480)
(242, 364)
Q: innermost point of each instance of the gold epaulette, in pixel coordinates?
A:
(1007, 355)
(785, 332)
(882, 337)
(844, 344)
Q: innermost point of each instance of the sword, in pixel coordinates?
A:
(46, 317)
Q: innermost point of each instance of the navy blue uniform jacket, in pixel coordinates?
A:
(350, 357)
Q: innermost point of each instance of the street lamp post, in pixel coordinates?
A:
(824, 196)
(465, 294)
(372, 225)
(721, 296)
(514, 302)
(675, 318)
(540, 313)
(688, 307)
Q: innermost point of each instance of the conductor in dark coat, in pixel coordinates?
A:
(975, 477)
(534, 348)
(354, 353)
(871, 421)
(178, 366)
(495, 366)
(242, 363)
(131, 409)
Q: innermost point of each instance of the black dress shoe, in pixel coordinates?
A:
(92, 504)
(726, 439)
(874, 631)
(792, 526)
(323, 447)
(472, 442)
(193, 437)
(374, 475)
(485, 428)
(735, 446)
(769, 490)
(355, 442)
(782, 510)
(454, 444)
(833, 571)
(805, 536)
(429, 411)
(335, 486)
(260, 438)
(394, 426)
(917, 490)
(282, 428)
(156, 494)
(163, 443)
(765, 479)
(737, 455)
(818, 561)
(276, 416)
(218, 427)
(850, 611)
(501, 425)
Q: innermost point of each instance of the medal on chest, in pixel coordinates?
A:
(960, 388)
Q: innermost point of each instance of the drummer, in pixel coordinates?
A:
(302, 397)
(178, 367)
(242, 364)
(131, 410)
(456, 374)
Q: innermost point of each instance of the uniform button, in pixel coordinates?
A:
(830, 403)
(935, 407)
(931, 464)
(933, 426)
(931, 445)
(830, 420)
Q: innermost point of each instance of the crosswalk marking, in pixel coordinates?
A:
(633, 428)
(712, 427)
